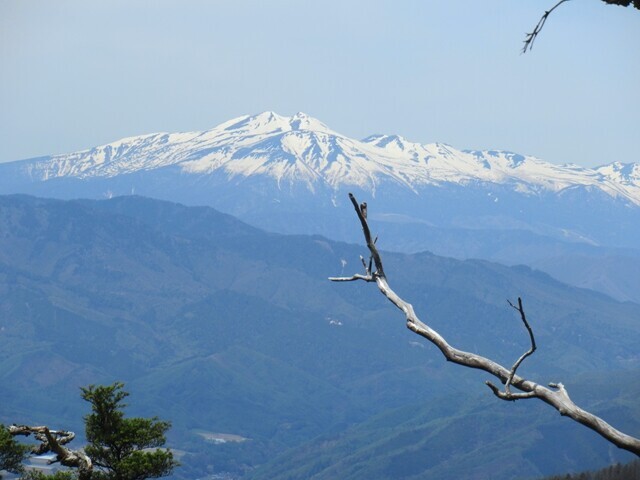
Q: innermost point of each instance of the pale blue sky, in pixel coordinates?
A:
(79, 73)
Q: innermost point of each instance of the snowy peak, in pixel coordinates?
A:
(624, 173)
(390, 142)
(302, 121)
(264, 123)
(302, 150)
(272, 123)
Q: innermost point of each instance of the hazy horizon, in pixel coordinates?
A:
(81, 74)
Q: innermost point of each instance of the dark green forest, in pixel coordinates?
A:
(630, 471)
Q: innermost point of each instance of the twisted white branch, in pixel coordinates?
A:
(54, 441)
(556, 395)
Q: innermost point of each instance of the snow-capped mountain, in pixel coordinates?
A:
(292, 175)
(302, 150)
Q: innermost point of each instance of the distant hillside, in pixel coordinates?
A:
(457, 437)
(223, 328)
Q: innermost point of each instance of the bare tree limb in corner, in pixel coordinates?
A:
(54, 441)
(556, 395)
(531, 37)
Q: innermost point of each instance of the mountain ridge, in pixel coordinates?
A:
(301, 148)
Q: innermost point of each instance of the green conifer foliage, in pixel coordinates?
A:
(12, 453)
(123, 448)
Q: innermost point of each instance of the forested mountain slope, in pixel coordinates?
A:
(221, 327)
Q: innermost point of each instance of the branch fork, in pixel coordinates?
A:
(54, 441)
(507, 394)
(531, 36)
(370, 275)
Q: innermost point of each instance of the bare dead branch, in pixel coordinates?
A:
(507, 386)
(531, 37)
(509, 396)
(374, 257)
(54, 441)
(357, 276)
(556, 395)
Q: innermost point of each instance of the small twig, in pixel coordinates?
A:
(507, 394)
(357, 276)
(525, 354)
(531, 37)
(364, 265)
